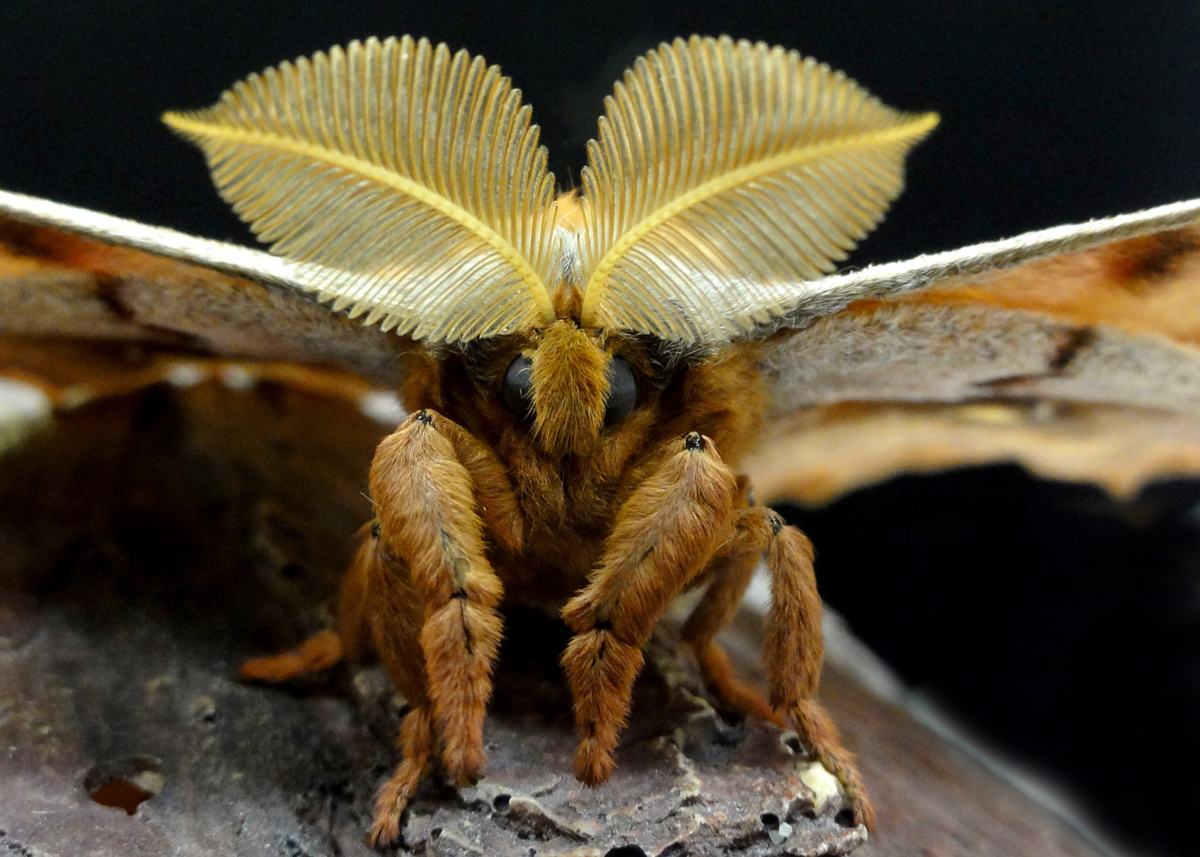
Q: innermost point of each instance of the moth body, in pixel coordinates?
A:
(570, 472)
(520, 478)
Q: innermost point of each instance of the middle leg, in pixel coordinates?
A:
(730, 572)
(662, 537)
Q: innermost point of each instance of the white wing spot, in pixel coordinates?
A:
(186, 374)
(237, 377)
(23, 408)
(383, 407)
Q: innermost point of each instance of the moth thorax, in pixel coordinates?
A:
(570, 383)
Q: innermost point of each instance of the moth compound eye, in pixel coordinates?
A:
(518, 387)
(622, 392)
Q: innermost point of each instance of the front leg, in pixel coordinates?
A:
(425, 500)
(422, 592)
(662, 537)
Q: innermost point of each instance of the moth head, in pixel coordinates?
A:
(570, 388)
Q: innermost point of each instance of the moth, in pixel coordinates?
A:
(601, 388)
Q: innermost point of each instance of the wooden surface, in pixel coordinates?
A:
(150, 544)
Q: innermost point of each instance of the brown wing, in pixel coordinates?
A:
(1083, 366)
(54, 285)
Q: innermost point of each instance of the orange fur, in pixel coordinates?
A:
(477, 504)
(794, 650)
(426, 505)
(353, 622)
(600, 669)
(496, 502)
(386, 602)
(730, 572)
(793, 645)
(662, 537)
(319, 652)
(569, 385)
(416, 743)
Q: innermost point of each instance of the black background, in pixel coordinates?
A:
(1062, 626)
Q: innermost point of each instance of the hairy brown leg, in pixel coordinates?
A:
(379, 605)
(794, 650)
(425, 500)
(319, 652)
(426, 480)
(353, 620)
(663, 535)
(326, 648)
(496, 502)
(393, 608)
(730, 572)
(351, 639)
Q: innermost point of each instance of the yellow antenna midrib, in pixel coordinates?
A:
(533, 282)
(915, 127)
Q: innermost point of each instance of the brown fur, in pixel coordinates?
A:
(729, 572)
(663, 535)
(426, 504)
(569, 386)
(479, 506)
(53, 284)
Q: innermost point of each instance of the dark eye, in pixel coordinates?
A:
(622, 392)
(518, 386)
